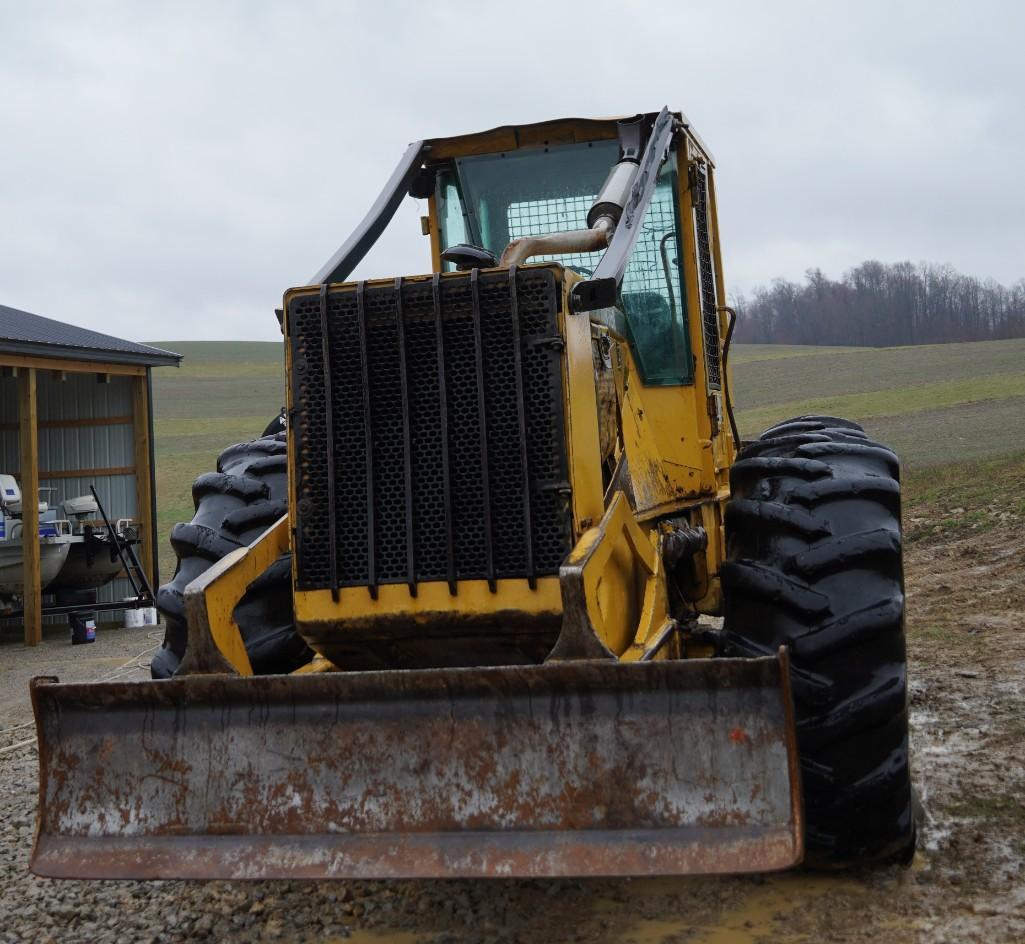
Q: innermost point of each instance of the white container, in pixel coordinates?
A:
(149, 615)
(134, 618)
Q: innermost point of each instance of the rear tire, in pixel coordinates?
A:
(234, 506)
(814, 563)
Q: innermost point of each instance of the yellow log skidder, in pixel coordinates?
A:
(448, 623)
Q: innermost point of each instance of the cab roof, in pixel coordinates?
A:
(542, 134)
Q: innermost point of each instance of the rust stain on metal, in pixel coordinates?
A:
(563, 769)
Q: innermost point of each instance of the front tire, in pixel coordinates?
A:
(234, 506)
(814, 563)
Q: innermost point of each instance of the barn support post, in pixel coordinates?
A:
(144, 497)
(29, 446)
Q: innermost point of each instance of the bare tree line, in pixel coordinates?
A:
(876, 304)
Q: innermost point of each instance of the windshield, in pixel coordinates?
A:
(491, 199)
(524, 193)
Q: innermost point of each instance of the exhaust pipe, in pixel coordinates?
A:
(578, 240)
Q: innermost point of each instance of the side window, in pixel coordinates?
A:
(450, 212)
(651, 295)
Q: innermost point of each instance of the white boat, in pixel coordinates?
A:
(55, 540)
(93, 559)
(52, 554)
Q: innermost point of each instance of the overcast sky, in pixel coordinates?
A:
(168, 169)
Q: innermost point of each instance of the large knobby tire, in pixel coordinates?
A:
(234, 505)
(813, 540)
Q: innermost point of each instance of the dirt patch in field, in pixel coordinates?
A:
(966, 593)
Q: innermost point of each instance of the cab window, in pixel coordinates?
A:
(651, 295)
(490, 199)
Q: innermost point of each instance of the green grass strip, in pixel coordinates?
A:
(750, 353)
(896, 401)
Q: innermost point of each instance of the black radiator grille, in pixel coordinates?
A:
(706, 274)
(476, 381)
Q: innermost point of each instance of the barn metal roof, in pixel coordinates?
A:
(21, 332)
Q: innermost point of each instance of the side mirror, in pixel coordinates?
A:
(466, 257)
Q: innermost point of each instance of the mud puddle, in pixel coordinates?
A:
(772, 910)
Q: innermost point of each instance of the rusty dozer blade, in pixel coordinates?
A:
(564, 769)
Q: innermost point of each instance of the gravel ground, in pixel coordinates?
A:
(966, 884)
(117, 653)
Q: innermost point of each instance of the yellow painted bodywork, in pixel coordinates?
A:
(620, 566)
(432, 601)
(582, 442)
(670, 461)
(673, 439)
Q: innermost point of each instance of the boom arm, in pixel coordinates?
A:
(599, 291)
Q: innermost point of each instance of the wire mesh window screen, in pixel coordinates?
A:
(653, 266)
(557, 215)
(532, 192)
(646, 271)
(651, 294)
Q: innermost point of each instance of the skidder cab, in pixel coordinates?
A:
(448, 624)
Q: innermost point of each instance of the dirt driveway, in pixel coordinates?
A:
(966, 605)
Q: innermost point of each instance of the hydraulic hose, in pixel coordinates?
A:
(732, 312)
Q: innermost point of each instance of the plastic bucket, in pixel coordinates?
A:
(134, 618)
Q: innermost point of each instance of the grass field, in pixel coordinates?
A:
(224, 392)
(935, 404)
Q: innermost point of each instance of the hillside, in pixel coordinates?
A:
(224, 392)
(934, 404)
